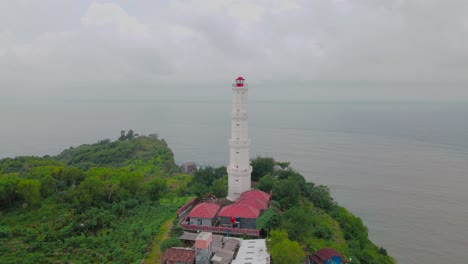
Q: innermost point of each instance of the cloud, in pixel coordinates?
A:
(112, 14)
(318, 49)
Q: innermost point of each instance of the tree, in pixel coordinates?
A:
(30, 190)
(199, 189)
(266, 183)
(73, 176)
(319, 195)
(122, 135)
(8, 184)
(262, 166)
(156, 188)
(208, 175)
(287, 252)
(297, 222)
(287, 192)
(110, 187)
(131, 182)
(130, 135)
(282, 250)
(268, 220)
(48, 186)
(90, 191)
(276, 236)
(220, 187)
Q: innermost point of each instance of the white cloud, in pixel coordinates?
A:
(280, 6)
(112, 14)
(108, 47)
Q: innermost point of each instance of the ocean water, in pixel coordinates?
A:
(401, 167)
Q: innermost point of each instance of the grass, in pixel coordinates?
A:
(155, 255)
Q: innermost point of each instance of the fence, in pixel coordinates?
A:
(223, 230)
(187, 205)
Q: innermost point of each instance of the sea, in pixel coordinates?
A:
(402, 167)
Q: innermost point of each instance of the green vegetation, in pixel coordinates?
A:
(283, 250)
(304, 218)
(209, 180)
(99, 203)
(110, 202)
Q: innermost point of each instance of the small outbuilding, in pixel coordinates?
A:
(179, 256)
(326, 256)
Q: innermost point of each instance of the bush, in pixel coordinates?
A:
(262, 166)
(170, 242)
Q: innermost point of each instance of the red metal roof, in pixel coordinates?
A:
(204, 210)
(256, 203)
(179, 255)
(256, 194)
(239, 210)
(325, 254)
(240, 78)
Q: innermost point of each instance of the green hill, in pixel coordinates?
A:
(99, 203)
(105, 202)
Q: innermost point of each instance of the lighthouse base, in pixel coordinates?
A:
(239, 181)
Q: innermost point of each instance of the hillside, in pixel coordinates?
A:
(302, 218)
(105, 202)
(99, 203)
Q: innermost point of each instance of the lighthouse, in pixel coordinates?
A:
(239, 168)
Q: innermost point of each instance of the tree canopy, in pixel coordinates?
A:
(96, 203)
(306, 217)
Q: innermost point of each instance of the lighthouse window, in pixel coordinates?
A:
(237, 124)
(237, 152)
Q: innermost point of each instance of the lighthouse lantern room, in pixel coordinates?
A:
(239, 81)
(239, 169)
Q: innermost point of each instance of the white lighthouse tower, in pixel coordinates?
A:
(239, 168)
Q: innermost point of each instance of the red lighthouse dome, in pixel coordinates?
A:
(240, 81)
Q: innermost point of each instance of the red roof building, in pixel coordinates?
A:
(327, 255)
(254, 198)
(255, 194)
(203, 214)
(179, 255)
(256, 203)
(239, 210)
(204, 210)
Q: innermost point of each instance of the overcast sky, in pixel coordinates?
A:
(286, 49)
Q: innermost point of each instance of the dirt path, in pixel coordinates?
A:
(155, 254)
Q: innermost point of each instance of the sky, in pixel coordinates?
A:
(323, 50)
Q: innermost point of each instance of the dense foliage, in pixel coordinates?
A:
(209, 180)
(283, 250)
(99, 203)
(104, 203)
(305, 213)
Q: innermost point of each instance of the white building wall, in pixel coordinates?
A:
(204, 221)
(239, 169)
